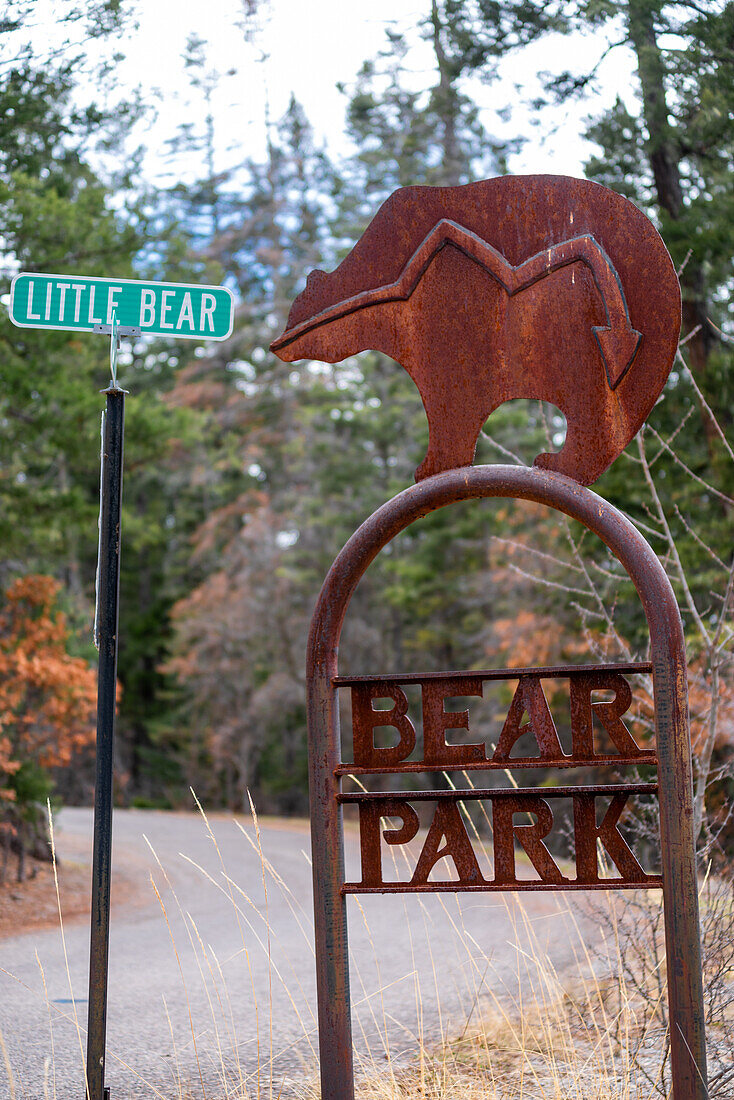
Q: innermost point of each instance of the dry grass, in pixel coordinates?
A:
(552, 1040)
(555, 1051)
(541, 1034)
(534, 1037)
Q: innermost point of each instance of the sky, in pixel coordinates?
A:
(309, 46)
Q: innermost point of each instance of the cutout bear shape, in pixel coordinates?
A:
(540, 287)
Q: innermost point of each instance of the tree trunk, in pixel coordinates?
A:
(664, 155)
(446, 104)
(21, 853)
(6, 853)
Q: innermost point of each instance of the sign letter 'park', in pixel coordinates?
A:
(82, 304)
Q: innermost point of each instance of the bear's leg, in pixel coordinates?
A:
(584, 456)
(452, 441)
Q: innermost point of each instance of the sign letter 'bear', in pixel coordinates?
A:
(540, 287)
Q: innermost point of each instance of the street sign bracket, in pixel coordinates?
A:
(122, 330)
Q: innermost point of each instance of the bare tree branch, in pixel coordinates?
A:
(705, 405)
(682, 579)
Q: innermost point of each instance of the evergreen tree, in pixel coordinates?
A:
(59, 213)
(672, 153)
(238, 614)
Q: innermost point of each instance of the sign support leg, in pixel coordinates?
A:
(330, 904)
(106, 629)
(680, 878)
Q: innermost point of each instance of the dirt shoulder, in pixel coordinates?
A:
(33, 905)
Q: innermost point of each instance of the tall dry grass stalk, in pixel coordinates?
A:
(538, 1034)
(528, 1031)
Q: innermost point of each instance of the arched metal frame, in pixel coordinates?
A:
(685, 993)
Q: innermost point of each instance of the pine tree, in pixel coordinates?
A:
(237, 633)
(59, 213)
(672, 153)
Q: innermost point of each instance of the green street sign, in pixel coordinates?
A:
(82, 304)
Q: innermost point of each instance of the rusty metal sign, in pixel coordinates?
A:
(537, 287)
(447, 836)
(522, 286)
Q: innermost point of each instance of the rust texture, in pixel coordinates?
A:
(448, 838)
(674, 778)
(543, 672)
(517, 287)
(529, 699)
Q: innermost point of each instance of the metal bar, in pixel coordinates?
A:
(683, 950)
(330, 910)
(655, 883)
(119, 330)
(474, 794)
(107, 621)
(548, 672)
(646, 758)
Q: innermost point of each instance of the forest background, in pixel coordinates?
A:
(244, 476)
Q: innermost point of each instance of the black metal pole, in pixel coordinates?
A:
(106, 632)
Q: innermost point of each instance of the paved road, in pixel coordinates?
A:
(193, 997)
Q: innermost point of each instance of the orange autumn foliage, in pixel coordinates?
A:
(706, 705)
(47, 697)
(529, 639)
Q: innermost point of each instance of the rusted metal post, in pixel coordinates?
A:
(680, 888)
(106, 629)
(327, 848)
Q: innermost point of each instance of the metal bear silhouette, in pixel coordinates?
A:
(540, 287)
